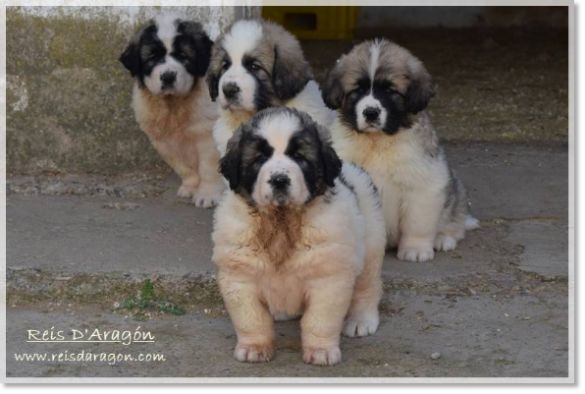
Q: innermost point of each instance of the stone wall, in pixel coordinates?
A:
(68, 96)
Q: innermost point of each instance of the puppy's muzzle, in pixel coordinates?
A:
(371, 114)
(280, 184)
(231, 91)
(168, 79)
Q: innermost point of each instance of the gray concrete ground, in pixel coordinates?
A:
(497, 306)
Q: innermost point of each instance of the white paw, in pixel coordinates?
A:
(420, 254)
(208, 195)
(186, 191)
(203, 201)
(322, 356)
(361, 327)
(254, 353)
(445, 243)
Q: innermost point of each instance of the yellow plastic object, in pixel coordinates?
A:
(314, 23)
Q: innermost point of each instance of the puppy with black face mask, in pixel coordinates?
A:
(380, 91)
(257, 64)
(298, 233)
(168, 58)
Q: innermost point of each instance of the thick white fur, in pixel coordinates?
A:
(412, 186)
(331, 276)
(181, 132)
(179, 123)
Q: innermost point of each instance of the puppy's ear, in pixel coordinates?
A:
(201, 43)
(420, 90)
(213, 71)
(291, 72)
(229, 164)
(331, 89)
(330, 160)
(130, 58)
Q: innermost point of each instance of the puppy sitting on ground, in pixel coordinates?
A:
(255, 65)
(380, 91)
(299, 233)
(168, 58)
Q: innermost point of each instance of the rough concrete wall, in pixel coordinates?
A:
(473, 16)
(68, 97)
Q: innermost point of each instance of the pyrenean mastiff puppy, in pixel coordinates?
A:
(380, 91)
(168, 58)
(257, 64)
(298, 233)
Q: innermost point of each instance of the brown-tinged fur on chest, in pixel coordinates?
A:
(278, 232)
(167, 114)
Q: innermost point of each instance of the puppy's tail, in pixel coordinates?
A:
(471, 223)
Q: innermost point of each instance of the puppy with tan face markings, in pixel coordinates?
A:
(380, 91)
(168, 58)
(255, 65)
(299, 233)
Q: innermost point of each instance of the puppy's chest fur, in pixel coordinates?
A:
(278, 234)
(409, 158)
(176, 117)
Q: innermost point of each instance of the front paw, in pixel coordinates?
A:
(208, 195)
(186, 191)
(361, 326)
(254, 353)
(322, 356)
(416, 254)
(445, 243)
(205, 201)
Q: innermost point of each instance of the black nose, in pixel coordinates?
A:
(230, 90)
(168, 78)
(279, 181)
(371, 113)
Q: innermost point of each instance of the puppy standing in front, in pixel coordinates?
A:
(255, 65)
(168, 58)
(380, 91)
(298, 233)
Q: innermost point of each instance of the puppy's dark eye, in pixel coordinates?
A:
(299, 157)
(225, 65)
(254, 67)
(180, 57)
(260, 159)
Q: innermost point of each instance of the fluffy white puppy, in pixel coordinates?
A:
(298, 233)
(380, 91)
(257, 64)
(168, 58)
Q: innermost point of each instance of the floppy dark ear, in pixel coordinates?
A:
(131, 58)
(204, 45)
(420, 90)
(212, 84)
(229, 164)
(290, 72)
(213, 71)
(201, 42)
(331, 89)
(329, 158)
